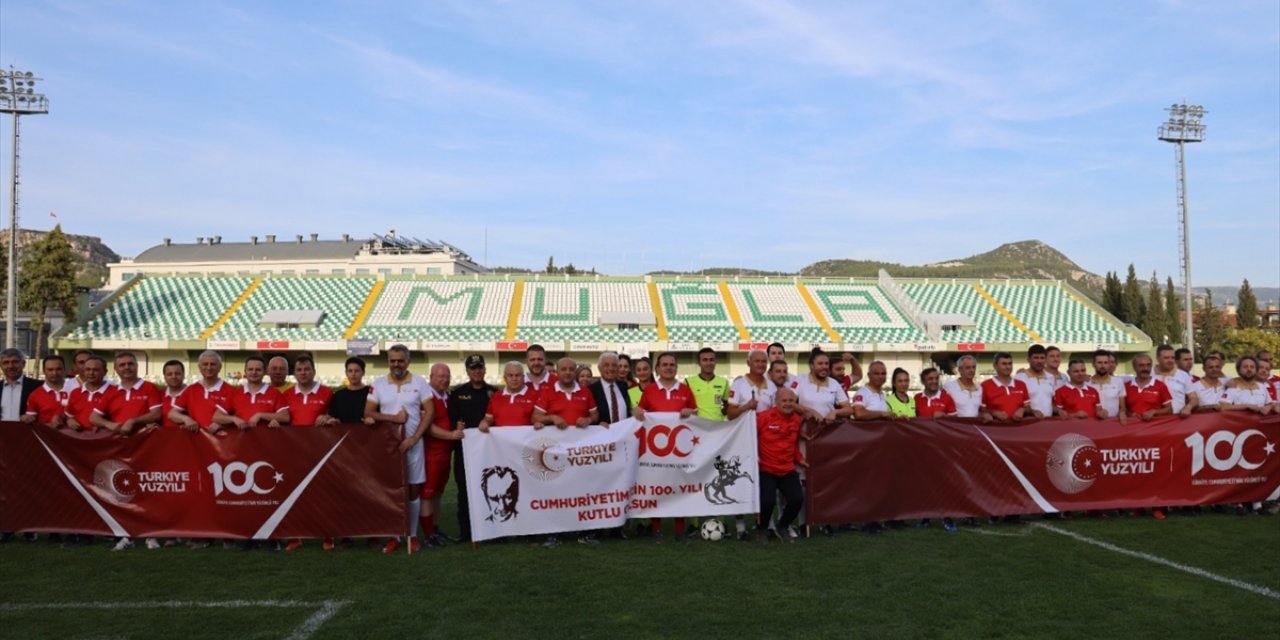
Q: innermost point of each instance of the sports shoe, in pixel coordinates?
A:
(392, 546)
(277, 546)
(122, 544)
(827, 530)
(30, 537)
(551, 543)
(414, 545)
(949, 525)
(791, 534)
(153, 544)
(590, 538)
(327, 545)
(744, 536)
(1158, 514)
(293, 545)
(199, 544)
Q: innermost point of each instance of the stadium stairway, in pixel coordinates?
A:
(231, 310)
(365, 310)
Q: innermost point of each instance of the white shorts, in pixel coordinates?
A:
(416, 464)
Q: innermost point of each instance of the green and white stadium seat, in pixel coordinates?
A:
(571, 311)
(165, 308)
(775, 312)
(447, 310)
(862, 313)
(695, 312)
(1053, 313)
(962, 298)
(339, 298)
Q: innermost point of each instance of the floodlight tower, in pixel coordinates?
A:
(1182, 127)
(18, 97)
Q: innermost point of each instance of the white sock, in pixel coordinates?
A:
(415, 509)
(740, 524)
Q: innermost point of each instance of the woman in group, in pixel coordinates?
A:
(643, 370)
(900, 402)
(584, 375)
(624, 371)
(348, 401)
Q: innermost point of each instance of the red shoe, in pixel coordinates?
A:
(414, 545)
(393, 545)
(1158, 514)
(293, 545)
(327, 545)
(1134, 514)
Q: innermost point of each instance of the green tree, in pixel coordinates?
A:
(47, 280)
(1132, 304)
(1246, 307)
(1210, 334)
(1154, 322)
(551, 264)
(1248, 342)
(1113, 295)
(1173, 313)
(570, 269)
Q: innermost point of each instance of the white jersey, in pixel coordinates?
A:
(1041, 390)
(742, 391)
(1110, 392)
(968, 403)
(1240, 397)
(1179, 384)
(821, 398)
(408, 395)
(1206, 395)
(870, 399)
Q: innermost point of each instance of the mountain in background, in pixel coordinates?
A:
(91, 254)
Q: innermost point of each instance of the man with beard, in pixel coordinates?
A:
(821, 398)
(1177, 380)
(403, 398)
(538, 376)
(1040, 384)
(1110, 386)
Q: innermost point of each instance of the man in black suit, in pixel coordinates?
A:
(15, 388)
(610, 393)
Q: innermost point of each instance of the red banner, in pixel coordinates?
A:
(346, 481)
(872, 471)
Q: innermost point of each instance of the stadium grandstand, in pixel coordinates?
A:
(336, 298)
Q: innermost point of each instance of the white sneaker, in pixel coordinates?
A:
(153, 544)
(122, 544)
(792, 535)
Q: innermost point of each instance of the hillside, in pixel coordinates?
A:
(92, 255)
(1029, 259)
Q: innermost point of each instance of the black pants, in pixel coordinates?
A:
(460, 481)
(792, 493)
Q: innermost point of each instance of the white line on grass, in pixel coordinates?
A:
(1022, 532)
(1239, 584)
(326, 609)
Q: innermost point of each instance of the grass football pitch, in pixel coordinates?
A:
(1211, 576)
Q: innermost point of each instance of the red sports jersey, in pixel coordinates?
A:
(571, 406)
(778, 439)
(304, 408)
(1073, 400)
(512, 410)
(132, 402)
(166, 406)
(200, 403)
(1143, 399)
(941, 404)
(47, 404)
(84, 403)
(266, 400)
(997, 397)
(845, 381)
(656, 398)
(440, 419)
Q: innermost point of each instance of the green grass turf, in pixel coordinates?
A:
(1029, 582)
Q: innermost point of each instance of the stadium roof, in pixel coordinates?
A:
(247, 251)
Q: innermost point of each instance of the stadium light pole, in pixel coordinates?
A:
(18, 97)
(1182, 127)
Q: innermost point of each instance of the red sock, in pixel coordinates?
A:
(426, 523)
(679, 526)
(655, 525)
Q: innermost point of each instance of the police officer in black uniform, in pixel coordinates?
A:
(468, 403)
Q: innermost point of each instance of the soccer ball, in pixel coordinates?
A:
(712, 530)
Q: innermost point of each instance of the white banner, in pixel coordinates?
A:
(525, 481)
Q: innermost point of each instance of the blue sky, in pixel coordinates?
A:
(649, 135)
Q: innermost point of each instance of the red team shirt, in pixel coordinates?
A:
(200, 404)
(166, 406)
(656, 398)
(997, 397)
(267, 400)
(304, 408)
(134, 402)
(1076, 399)
(779, 442)
(512, 410)
(47, 404)
(940, 404)
(1141, 400)
(440, 418)
(83, 404)
(571, 406)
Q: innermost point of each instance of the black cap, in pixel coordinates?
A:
(475, 361)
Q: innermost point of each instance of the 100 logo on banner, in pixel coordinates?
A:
(1206, 450)
(240, 478)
